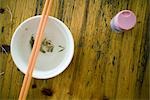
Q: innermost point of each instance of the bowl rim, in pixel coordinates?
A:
(53, 72)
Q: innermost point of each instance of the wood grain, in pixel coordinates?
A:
(106, 65)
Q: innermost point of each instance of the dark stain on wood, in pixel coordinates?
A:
(81, 44)
(123, 78)
(127, 4)
(102, 79)
(2, 10)
(36, 11)
(97, 29)
(18, 69)
(98, 54)
(34, 86)
(81, 40)
(61, 10)
(2, 30)
(87, 83)
(128, 88)
(70, 93)
(83, 53)
(5, 48)
(73, 7)
(95, 67)
(111, 71)
(109, 1)
(113, 61)
(105, 98)
(132, 69)
(92, 46)
(105, 20)
(145, 57)
(47, 92)
(102, 14)
(39, 4)
(118, 2)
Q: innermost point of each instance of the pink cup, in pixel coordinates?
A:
(124, 20)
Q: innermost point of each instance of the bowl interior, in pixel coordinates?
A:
(55, 31)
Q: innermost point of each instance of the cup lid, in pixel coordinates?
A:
(125, 19)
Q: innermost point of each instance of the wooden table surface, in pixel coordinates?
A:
(106, 65)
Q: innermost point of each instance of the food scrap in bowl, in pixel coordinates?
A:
(46, 46)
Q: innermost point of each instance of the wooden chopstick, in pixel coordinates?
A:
(35, 50)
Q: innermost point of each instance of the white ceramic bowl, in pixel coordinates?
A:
(48, 64)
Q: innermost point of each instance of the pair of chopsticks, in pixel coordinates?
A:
(35, 50)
